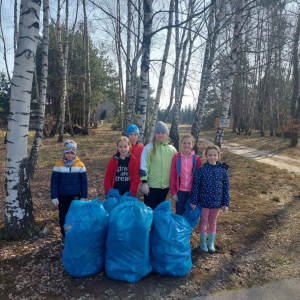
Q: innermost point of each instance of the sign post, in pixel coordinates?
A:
(224, 123)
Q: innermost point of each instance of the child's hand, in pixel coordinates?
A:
(174, 198)
(193, 206)
(224, 209)
(145, 189)
(55, 202)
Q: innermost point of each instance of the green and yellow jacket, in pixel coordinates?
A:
(156, 169)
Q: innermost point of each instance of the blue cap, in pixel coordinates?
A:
(132, 128)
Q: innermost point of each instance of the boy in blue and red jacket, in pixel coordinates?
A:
(68, 182)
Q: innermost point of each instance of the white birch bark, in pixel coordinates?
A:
(209, 56)
(43, 90)
(183, 62)
(119, 59)
(232, 66)
(128, 56)
(174, 134)
(64, 61)
(18, 203)
(162, 71)
(144, 76)
(15, 26)
(88, 74)
(4, 44)
(132, 88)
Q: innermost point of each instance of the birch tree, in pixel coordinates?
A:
(88, 74)
(144, 76)
(174, 134)
(162, 71)
(18, 219)
(15, 25)
(64, 63)
(232, 66)
(43, 90)
(295, 96)
(209, 57)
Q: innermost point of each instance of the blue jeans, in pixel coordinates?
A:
(182, 198)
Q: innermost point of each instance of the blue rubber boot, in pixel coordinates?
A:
(203, 245)
(211, 240)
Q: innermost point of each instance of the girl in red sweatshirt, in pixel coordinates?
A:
(122, 172)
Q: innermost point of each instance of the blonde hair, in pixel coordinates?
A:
(212, 147)
(187, 137)
(153, 143)
(123, 138)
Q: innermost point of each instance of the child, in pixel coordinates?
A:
(155, 167)
(68, 182)
(183, 169)
(135, 149)
(122, 172)
(211, 190)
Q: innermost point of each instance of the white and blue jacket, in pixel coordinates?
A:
(211, 186)
(69, 181)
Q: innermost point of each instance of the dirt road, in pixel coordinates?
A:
(279, 161)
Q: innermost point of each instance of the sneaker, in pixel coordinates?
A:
(63, 240)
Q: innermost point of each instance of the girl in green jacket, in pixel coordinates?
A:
(156, 161)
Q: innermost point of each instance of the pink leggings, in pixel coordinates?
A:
(210, 215)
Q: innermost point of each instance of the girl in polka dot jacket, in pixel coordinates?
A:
(211, 191)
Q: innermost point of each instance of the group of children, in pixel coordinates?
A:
(159, 168)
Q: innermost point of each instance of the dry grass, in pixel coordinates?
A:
(257, 240)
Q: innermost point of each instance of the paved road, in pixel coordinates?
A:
(286, 289)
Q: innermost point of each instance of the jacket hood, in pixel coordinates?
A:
(219, 164)
(117, 156)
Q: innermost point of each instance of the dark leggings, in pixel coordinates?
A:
(63, 207)
(155, 197)
(182, 198)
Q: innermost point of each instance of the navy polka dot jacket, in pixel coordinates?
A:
(211, 186)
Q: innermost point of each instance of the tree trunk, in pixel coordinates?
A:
(206, 73)
(174, 133)
(167, 112)
(128, 56)
(295, 136)
(232, 66)
(144, 77)
(4, 44)
(43, 91)
(19, 218)
(85, 130)
(162, 72)
(15, 25)
(64, 61)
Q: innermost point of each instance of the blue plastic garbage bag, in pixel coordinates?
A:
(86, 229)
(170, 251)
(127, 242)
(114, 200)
(192, 216)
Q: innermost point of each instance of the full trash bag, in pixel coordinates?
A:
(170, 251)
(114, 199)
(192, 216)
(127, 242)
(86, 229)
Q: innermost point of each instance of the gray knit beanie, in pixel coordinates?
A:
(161, 127)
